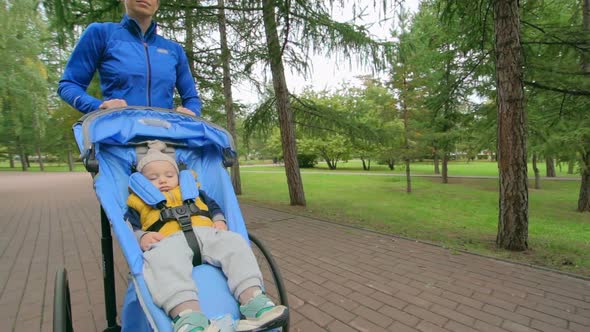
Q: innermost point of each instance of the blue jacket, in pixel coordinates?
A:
(141, 69)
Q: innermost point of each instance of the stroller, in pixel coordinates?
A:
(108, 141)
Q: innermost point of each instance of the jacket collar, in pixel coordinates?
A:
(134, 27)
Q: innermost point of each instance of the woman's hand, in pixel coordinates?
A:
(148, 239)
(113, 103)
(185, 110)
(220, 224)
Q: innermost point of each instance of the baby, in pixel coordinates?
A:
(168, 258)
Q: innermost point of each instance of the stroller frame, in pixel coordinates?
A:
(62, 313)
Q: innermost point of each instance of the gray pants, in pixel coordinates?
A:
(167, 266)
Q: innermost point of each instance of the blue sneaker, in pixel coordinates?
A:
(261, 314)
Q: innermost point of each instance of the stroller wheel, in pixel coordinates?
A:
(62, 308)
(273, 282)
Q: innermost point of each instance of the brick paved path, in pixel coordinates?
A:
(338, 278)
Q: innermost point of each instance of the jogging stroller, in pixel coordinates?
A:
(108, 141)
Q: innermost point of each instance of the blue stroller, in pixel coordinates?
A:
(108, 141)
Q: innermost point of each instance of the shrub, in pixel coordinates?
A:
(307, 160)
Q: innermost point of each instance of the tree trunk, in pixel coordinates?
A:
(287, 126)
(445, 168)
(11, 162)
(40, 157)
(229, 101)
(406, 116)
(391, 164)
(570, 167)
(550, 167)
(585, 61)
(512, 157)
(21, 154)
(584, 197)
(408, 177)
(436, 168)
(70, 160)
(364, 164)
(189, 45)
(537, 173)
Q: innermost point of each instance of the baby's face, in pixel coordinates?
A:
(161, 174)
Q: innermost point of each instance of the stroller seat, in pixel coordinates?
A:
(108, 140)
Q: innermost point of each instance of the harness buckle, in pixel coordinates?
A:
(180, 213)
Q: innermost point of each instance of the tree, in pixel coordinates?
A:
(294, 181)
(584, 197)
(512, 155)
(229, 102)
(23, 83)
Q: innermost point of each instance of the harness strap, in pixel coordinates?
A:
(182, 214)
(145, 190)
(166, 215)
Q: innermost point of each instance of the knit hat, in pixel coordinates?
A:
(155, 152)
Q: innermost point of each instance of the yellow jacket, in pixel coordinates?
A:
(149, 215)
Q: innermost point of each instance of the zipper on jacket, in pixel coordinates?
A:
(149, 74)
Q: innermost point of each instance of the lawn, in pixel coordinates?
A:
(460, 215)
(456, 168)
(49, 167)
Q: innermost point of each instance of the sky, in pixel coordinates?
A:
(326, 73)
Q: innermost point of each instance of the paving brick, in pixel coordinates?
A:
(364, 325)
(458, 327)
(399, 327)
(373, 316)
(399, 315)
(426, 326)
(432, 298)
(365, 300)
(452, 314)
(553, 320)
(426, 315)
(413, 299)
(578, 327)
(316, 315)
(486, 327)
(389, 300)
(515, 327)
(480, 315)
(506, 314)
(338, 312)
(543, 326)
(462, 299)
(338, 326)
(337, 288)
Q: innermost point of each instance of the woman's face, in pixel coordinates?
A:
(141, 8)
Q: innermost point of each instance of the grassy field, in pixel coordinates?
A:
(48, 168)
(460, 215)
(456, 168)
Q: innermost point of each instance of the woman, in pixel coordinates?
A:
(136, 66)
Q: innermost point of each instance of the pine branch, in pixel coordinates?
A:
(572, 92)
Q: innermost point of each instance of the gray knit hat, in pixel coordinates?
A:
(155, 153)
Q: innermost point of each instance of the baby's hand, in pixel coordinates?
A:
(219, 224)
(148, 239)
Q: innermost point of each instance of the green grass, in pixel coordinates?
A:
(49, 167)
(460, 215)
(456, 168)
